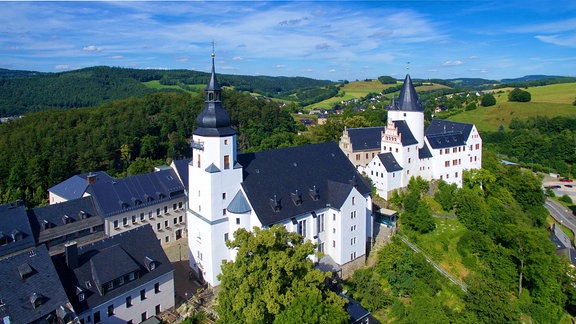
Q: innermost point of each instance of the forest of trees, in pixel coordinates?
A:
(542, 143)
(124, 136)
(511, 271)
(22, 92)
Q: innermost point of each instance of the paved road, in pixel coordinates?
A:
(561, 214)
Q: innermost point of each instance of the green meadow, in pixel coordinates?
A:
(551, 100)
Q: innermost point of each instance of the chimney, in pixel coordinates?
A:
(71, 250)
(91, 178)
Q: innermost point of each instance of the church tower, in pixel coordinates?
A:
(408, 108)
(214, 176)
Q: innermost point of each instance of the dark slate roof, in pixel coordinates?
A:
(111, 258)
(40, 277)
(182, 171)
(443, 133)
(298, 173)
(424, 152)
(239, 204)
(15, 229)
(80, 213)
(357, 313)
(389, 162)
(407, 136)
(408, 99)
(365, 138)
(75, 186)
(136, 192)
(213, 121)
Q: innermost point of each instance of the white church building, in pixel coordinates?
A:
(442, 151)
(313, 190)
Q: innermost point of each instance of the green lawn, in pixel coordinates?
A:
(552, 100)
(155, 84)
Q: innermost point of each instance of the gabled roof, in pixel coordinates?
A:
(408, 99)
(358, 314)
(307, 171)
(389, 162)
(136, 192)
(75, 186)
(424, 152)
(15, 229)
(181, 167)
(407, 136)
(111, 258)
(57, 220)
(444, 134)
(40, 283)
(365, 138)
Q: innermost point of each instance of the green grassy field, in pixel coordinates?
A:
(359, 89)
(155, 84)
(552, 100)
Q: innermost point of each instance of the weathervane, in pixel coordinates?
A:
(213, 44)
(407, 66)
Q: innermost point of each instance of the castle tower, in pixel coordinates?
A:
(408, 108)
(214, 177)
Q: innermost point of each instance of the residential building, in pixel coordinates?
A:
(15, 231)
(76, 220)
(156, 198)
(126, 278)
(443, 152)
(30, 291)
(313, 190)
(75, 186)
(361, 144)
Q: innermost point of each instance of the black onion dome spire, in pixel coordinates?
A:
(408, 99)
(213, 121)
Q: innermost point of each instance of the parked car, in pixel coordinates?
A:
(565, 180)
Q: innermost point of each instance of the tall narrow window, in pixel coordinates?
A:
(302, 227)
(226, 161)
(198, 160)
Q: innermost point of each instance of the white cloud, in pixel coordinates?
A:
(62, 67)
(332, 71)
(92, 48)
(280, 66)
(117, 57)
(560, 40)
(452, 63)
(237, 58)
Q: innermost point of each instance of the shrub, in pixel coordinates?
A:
(565, 198)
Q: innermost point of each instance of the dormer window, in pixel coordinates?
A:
(314, 193)
(3, 239)
(82, 214)
(36, 300)
(17, 235)
(150, 263)
(45, 224)
(66, 219)
(275, 203)
(297, 198)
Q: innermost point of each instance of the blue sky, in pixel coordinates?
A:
(332, 40)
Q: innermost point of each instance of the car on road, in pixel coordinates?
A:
(565, 180)
(569, 186)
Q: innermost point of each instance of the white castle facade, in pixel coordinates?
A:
(442, 151)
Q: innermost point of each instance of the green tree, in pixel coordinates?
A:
(384, 79)
(519, 95)
(445, 195)
(488, 100)
(273, 280)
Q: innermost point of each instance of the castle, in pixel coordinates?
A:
(402, 149)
